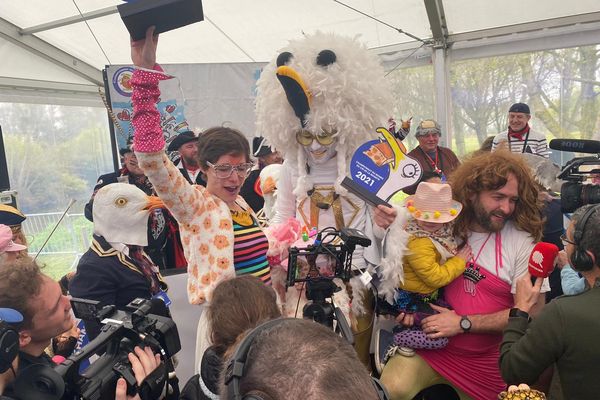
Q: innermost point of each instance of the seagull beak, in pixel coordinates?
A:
(153, 203)
(269, 185)
(296, 91)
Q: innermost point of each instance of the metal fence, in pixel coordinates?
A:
(71, 237)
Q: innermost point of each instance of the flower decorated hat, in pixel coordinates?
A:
(432, 202)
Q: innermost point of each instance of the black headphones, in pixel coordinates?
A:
(9, 343)
(580, 259)
(235, 369)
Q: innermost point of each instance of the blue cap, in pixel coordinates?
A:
(11, 316)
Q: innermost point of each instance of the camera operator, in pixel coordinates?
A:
(143, 362)
(46, 311)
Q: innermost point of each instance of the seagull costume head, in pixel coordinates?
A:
(121, 213)
(324, 90)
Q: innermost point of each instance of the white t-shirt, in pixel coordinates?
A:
(516, 248)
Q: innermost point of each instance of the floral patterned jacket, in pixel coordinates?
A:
(204, 220)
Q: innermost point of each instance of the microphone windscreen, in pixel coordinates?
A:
(541, 260)
(576, 145)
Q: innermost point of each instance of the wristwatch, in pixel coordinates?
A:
(515, 312)
(465, 323)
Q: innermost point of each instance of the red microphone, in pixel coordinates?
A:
(541, 260)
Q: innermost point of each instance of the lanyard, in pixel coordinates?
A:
(474, 260)
(498, 252)
(434, 164)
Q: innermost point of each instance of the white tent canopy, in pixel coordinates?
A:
(61, 46)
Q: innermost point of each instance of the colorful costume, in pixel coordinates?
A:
(205, 221)
(328, 93)
(470, 361)
(115, 270)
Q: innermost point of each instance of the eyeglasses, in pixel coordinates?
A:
(224, 171)
(325, 138)
(565, 241)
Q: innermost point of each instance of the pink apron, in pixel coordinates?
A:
(470, 361)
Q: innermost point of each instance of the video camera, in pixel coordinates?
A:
(120, 333)
(329, 257)
(574, 193)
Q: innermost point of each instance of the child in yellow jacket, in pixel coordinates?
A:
(433, 260)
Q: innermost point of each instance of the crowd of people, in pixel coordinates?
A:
(447, 269)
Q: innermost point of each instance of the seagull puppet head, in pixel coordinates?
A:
(121, 213)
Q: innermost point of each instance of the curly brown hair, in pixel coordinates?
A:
(20, 281)
(490, 171)
(237, 305)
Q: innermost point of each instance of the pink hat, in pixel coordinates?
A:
(432, 202)
(6, 243)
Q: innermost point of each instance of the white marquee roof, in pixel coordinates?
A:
(62, 45)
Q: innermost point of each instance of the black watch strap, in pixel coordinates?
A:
(465, 323)
(515, 312)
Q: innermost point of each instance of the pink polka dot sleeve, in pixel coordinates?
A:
(148, 135)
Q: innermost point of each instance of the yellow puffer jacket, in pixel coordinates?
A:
(422, 270)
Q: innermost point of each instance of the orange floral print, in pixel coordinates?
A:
(149, 165)
(207, 223)
(203, 249)
(201, 297)
(221, 242)
(191, 288)
(222, 262)
(195, 229)
(225, 224)
(205, 280)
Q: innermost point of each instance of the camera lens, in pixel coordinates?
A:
(574, 195)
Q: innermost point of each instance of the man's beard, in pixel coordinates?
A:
(191, 162)
(484, 218)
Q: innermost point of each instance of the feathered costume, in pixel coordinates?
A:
(327, 83)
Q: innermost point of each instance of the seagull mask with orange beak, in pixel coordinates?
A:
(121, 213)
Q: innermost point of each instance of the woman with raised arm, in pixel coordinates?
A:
(220, 234)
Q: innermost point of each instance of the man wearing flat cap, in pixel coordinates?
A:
(432, 157)
(250, 190)
(520, 138)
(186, 144)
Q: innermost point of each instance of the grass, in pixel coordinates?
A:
(56, 265)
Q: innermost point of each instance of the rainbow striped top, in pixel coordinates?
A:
(250, 247)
